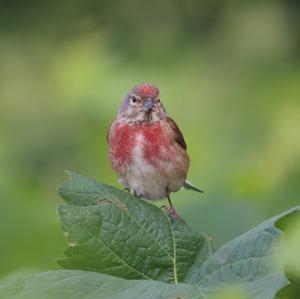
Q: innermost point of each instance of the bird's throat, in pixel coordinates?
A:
(148, 116)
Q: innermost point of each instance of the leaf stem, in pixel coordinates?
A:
(175, 272)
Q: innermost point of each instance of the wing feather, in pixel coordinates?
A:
(177, 135)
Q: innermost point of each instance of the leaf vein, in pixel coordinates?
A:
(123, 261)
(232, 263)
(131, 217)
(175, 277)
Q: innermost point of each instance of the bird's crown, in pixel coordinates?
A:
(146, 89)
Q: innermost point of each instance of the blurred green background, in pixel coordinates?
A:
(229, 74)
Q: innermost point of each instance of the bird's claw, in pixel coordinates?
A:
(173, 214)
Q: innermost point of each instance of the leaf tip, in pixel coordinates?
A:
(70, 173)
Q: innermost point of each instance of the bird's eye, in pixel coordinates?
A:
(133, 99)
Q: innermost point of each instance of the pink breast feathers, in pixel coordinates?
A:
(156, 146)
(152, 141)
(122, 143)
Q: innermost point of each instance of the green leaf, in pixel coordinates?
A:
(75, 284)
(113, 232)
(248, 261)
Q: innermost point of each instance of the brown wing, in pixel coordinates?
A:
(107, 135)
(178, 137)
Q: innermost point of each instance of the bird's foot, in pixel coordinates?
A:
(173, 214)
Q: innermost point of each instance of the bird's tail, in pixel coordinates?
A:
(190, 186)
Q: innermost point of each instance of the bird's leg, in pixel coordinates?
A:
(136, 194)
(172, 212)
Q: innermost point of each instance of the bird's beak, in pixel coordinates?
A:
(148, 104)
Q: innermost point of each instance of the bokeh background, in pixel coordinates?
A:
(229, 74)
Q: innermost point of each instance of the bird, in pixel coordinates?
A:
(147, 149)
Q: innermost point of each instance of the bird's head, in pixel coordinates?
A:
(142, 105)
